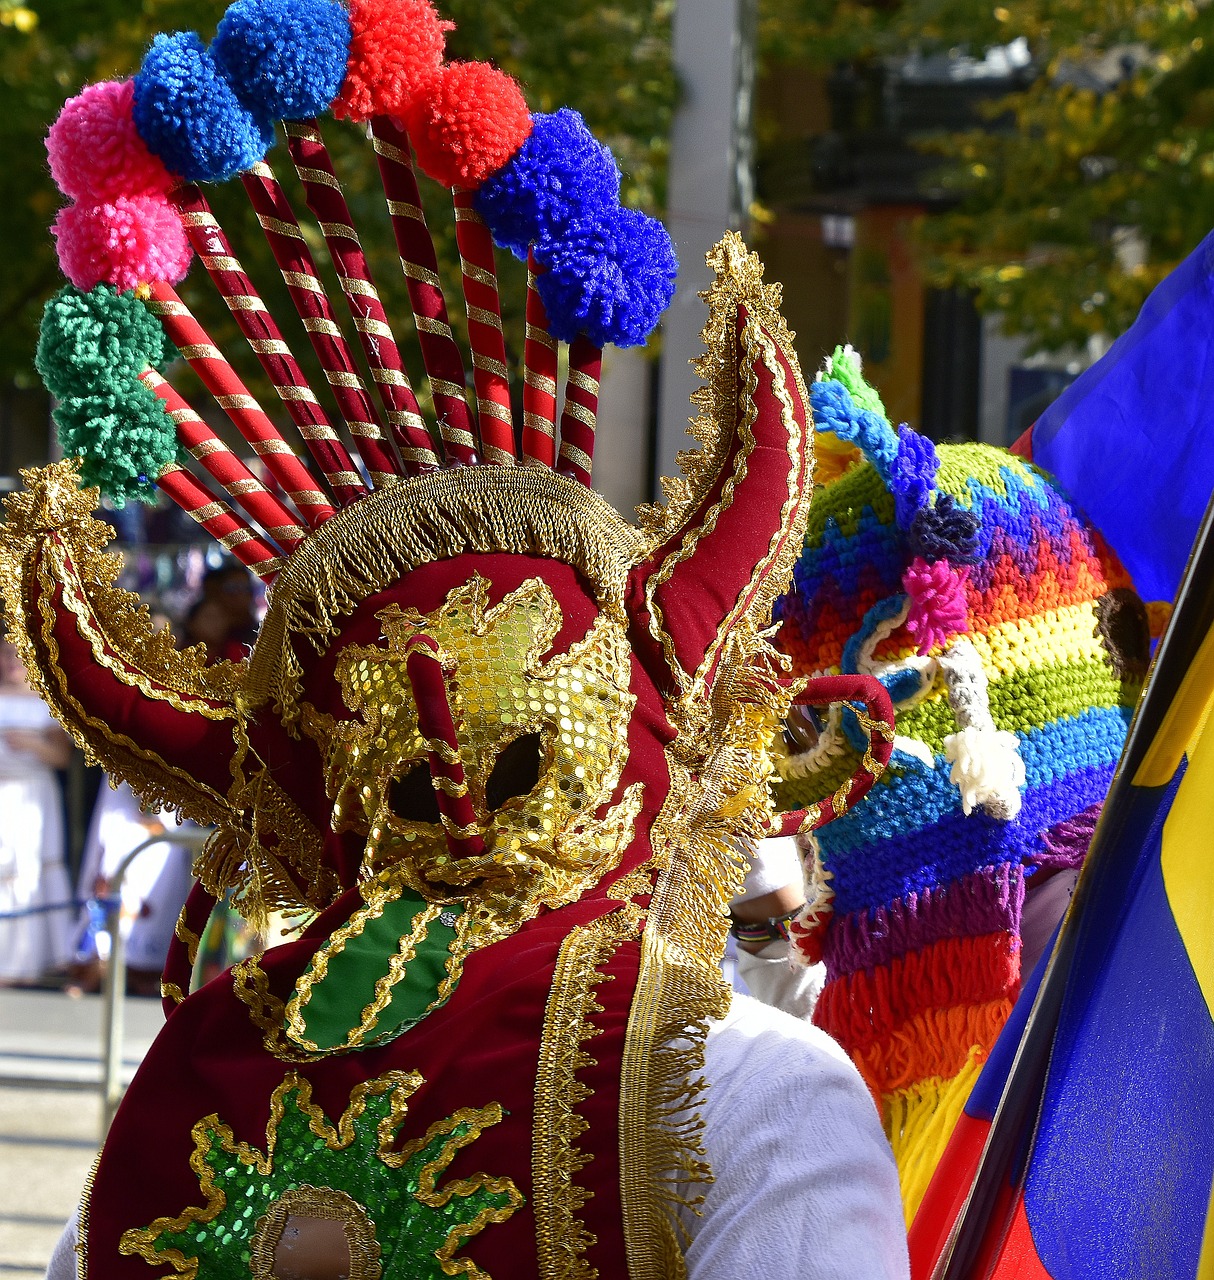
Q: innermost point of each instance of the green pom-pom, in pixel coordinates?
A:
(844, 366)
(97, 343)
(124, 440)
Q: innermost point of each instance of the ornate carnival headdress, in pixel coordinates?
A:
(482, 708)
(1013, 650)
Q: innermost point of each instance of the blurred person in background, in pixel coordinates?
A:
(36, 909)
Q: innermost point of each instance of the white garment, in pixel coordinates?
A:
(155, 886)
(805, 1180)
(32, 871)
(806, 1184)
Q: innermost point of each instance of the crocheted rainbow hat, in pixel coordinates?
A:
(500, 741)
(1013, 651)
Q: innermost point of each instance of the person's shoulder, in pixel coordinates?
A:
(758, 1033)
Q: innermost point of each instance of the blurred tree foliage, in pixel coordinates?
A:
(611, 61)
(1088, 186)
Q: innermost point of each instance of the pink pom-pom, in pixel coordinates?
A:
(130, 241)
(937, 602)
(396, 46)
(469, 121)
(95, 153)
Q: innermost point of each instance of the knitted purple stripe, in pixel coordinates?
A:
(1066, 843)
(897, 866)
(989, 901)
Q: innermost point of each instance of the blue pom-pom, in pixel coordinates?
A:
(187, 114)
(562, 173)
(946, 532)
(286, 59)
(836, 411)
(609, 277)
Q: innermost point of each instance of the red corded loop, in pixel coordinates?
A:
(876, 719)
(436, 724)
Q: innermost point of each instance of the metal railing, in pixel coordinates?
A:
(113, 988)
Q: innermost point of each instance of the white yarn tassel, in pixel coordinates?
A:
(986, 764)
(987, 769)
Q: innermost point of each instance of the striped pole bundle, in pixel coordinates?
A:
(490, 375)
(233, 397)
(324, 196)
(440, 353)
(265, 338)
(238, 482)
(294, 259)
(220, 521)
(579, 413)
(539, 379)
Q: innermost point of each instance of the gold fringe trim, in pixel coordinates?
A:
(719, 797)
(561, 1238)
(373, 543)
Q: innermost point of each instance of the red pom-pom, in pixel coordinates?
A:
(131, 241)
(469, 121)
(396, 46)
(94, 150)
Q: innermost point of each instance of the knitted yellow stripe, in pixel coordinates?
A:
(919, 1121)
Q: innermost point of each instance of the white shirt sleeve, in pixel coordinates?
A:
(806, 1184)
(63, 1263)
(771, 977)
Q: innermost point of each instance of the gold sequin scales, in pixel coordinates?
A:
(544, 847)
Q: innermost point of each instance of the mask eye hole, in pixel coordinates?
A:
(412, 797)
(515, 772)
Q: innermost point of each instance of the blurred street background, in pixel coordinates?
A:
(50, 1112)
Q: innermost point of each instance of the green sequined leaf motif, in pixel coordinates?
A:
(399, 1222)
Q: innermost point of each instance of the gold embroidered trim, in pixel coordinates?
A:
(561, 1238)
(52, 540)
(371, 544)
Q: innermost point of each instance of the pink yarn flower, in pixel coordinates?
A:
(94, 151)
(937, 602)
(128, 242)
(470, 119)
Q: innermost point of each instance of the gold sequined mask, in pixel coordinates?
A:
(541, 745)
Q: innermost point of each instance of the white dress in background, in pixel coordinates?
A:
(155, 886)
(33, 874)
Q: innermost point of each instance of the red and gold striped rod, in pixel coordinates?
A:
(539, 379)
(238, 482)
(580, 411)
(489, 372)
(440, 352)
(294, 258)
(265, 337)
(219, 520)
(436, 724)
(232, 396)
(324, 196)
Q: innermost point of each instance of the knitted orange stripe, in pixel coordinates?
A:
(933, 1044)
(865, 1008)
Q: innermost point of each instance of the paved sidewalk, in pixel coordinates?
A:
(50, 1113)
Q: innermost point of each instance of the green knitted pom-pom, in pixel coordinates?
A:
(844, 366)
(96, 343)
(124, 439)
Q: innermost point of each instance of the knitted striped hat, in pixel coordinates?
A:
(1013, 651)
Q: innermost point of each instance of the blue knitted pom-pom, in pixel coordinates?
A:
(608, 277)
(562, 173)
(187, 114)
(912, 475)
(285, 59)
